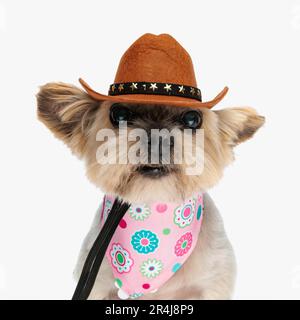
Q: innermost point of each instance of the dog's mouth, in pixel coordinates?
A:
(154, 171)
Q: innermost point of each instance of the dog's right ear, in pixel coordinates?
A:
(68, 112)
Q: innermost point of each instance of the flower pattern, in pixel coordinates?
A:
(151, 268)
(107, 208)
(183, 245)
(183, 215)
(139, 212)
(136, 295)
(120, 258)
(151, 243)
(144, 241)
(199, 212)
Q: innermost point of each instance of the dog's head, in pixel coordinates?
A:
(92, 131)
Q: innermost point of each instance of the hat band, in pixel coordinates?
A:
(159, 88)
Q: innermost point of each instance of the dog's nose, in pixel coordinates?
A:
(159, 147)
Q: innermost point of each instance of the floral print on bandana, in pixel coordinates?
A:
(120, 258)
(183, 215)
(136, 295)
(144, 241)
(183, 245)
(151, 268)
(139, 212)
(149, 245)
(107, 208)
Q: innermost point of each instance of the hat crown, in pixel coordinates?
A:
(153, 58)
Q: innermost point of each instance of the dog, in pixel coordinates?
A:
(75, 117)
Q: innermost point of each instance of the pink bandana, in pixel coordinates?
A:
(151, 243)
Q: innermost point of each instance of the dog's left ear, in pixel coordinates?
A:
(237, 125)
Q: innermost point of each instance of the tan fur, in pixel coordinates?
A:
(68, 112)
(220, 136)
(209, 273)
(236, 125)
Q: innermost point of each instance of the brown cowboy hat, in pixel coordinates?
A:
(157, 70)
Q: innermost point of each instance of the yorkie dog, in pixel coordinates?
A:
(172, 258)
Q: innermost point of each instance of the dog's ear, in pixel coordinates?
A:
(237, 125)
(68, 112)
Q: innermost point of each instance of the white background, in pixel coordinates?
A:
(46, 202)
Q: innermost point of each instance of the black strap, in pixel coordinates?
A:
(97, 252)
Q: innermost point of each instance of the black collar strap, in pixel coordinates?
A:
(95, 256)
(159, 88)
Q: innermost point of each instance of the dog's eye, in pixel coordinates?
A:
(192, 119)
(119, 114)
